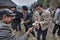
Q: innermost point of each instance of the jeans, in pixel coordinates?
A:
(43, 32)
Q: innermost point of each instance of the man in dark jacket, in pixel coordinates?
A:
(16, 24)
(27, 19)
(5, 27)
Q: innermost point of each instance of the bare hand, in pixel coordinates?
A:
(30, 30)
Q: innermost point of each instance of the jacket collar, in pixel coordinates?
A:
(2, 23)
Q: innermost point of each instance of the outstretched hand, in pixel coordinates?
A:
(30, 30)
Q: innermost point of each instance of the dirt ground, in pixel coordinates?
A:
(50, 36)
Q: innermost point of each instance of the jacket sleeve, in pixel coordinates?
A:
(29, 18)
(23, 37)
(46, 19)
(19, 15)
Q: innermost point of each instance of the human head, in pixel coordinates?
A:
(24, 9)
(39, 7)
(13, 8)
(6, 16)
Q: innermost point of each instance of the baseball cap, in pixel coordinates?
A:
(7, 12)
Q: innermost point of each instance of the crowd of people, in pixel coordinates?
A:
(38, 20)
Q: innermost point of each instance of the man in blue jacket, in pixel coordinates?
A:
(27, 19)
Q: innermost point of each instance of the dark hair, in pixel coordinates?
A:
(58, 7)
(25, 8)
(39, 4)
(12, 7)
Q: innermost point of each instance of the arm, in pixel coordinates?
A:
(24, 37)
(46, 19)
(19, 15)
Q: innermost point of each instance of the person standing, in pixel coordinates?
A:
(27, 19)
(56, 21)
(41, 18)
(16, 24)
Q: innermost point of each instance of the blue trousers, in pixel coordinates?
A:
(43, 32)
